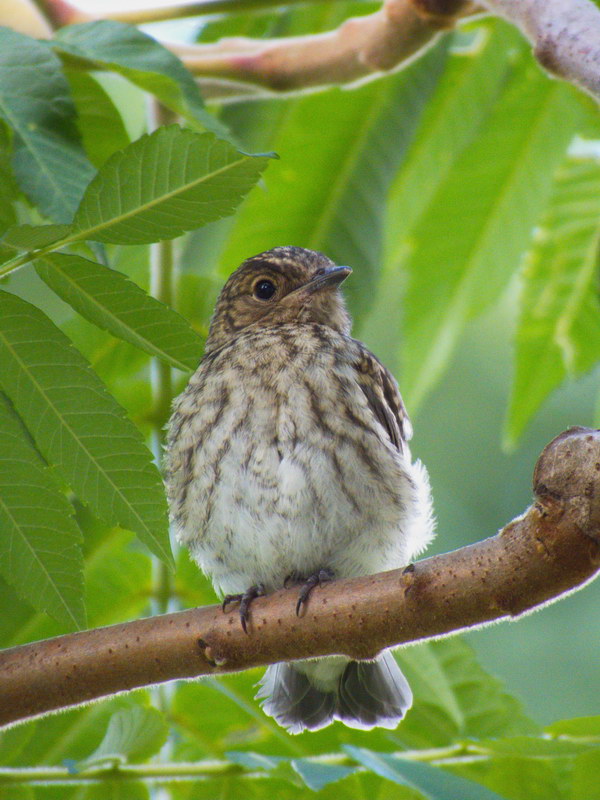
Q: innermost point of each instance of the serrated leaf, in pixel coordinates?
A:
(434, 783)
(558, 330)
(111, 301)
(132, 735)
(30, 237)
(469, 242)
(143, 61)
(40, 553)
(77, 425)
(49, 162)
(164, 184)
(98, 120)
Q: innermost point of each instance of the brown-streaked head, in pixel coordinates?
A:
(285, 284)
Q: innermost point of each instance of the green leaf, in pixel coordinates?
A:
(468, 244)
(8, 187)
(163, 184)
(475, 74)
(455, 698)
(78, 427)
(106, 44)
(558, 333)
(109, 300)
(98, 121)
(317, 775)
(49, 162)
(433, 782)
(586, 777)
(132, 735)
(31, 237)
(467, 90)
(40, 551)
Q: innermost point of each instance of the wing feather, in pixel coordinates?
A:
(383, 396)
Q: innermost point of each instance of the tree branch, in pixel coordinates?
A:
(565, 35)
(361, 47)
(552, 549)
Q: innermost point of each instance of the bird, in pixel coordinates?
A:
(287, 462)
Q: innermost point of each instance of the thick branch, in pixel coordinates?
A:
(552, 549)
(361, 47)
(565, 35)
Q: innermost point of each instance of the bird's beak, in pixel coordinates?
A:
(331, 277)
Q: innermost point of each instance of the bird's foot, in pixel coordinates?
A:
(245, 601)
(318, 579)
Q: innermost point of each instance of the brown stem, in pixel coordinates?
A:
(552, 549)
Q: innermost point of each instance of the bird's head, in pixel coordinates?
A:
(285, 284)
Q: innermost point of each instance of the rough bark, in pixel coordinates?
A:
(552, 549)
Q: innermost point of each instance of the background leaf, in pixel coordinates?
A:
(132, 735)
(49, 162)
(77, 426)
(432, 782)
(39, 541)
(468, 244)
(559, 322)
(96, 113)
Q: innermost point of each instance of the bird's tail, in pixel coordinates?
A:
(366, 694)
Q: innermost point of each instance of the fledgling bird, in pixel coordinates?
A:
(287, 458)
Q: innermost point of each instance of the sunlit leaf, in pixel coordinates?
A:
(469, 242)
(558, 333)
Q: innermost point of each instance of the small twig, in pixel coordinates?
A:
(565, 35)
(552, 549)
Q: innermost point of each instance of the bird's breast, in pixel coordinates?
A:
(286, 469)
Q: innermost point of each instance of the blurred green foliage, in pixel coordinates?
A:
(454, 190)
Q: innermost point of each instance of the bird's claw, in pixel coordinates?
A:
(245, 599)
(318, 579)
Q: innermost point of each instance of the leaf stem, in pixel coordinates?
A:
(210, 768)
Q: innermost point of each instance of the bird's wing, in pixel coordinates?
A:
(383, 396)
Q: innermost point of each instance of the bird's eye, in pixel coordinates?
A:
(264, 289)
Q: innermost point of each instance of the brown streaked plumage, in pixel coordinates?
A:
(287, 456)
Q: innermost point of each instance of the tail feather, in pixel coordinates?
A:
(367, 694)
(373, 694)
(293, 701)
